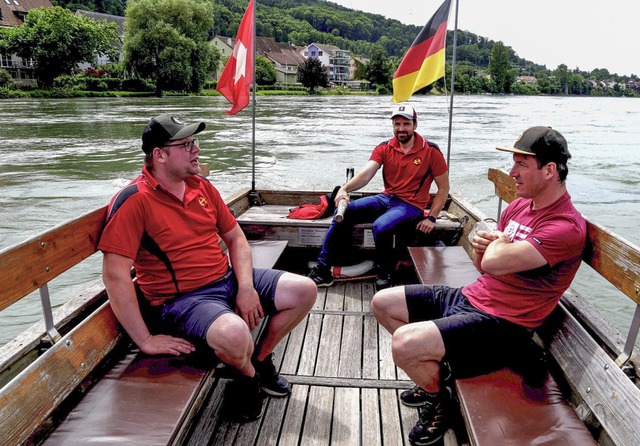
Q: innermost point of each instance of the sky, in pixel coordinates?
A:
(584, 34)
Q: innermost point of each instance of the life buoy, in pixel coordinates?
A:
(349, 271)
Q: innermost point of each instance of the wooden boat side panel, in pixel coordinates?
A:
(29, 265)
(32, 396)
(614, 258)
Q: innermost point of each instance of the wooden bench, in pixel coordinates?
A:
(140, 400)
(505, 408)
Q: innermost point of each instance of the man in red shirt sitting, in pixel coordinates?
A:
(166, 224)
(410, 164)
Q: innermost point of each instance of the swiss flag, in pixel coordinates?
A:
(237, 75)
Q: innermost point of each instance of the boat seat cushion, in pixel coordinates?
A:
(502, 407)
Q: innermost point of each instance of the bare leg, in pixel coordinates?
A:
(231, 340)
(418, 349)
(295, 295)
(389, 306)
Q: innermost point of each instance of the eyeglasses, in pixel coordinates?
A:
(187, 146)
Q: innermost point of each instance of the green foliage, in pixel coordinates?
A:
(58, 40)
(379, 70)
(312, 74)
(499, 67)
(166, 40)
(6, 81)
(265, 72)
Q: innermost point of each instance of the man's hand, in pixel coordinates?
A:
(166, 345)
(342, 195)
(482, 239)
(248, 306)
(426, 226)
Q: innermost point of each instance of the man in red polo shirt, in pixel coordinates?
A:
(166, 224)
(409, 164)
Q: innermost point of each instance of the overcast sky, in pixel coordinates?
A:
(586, 34)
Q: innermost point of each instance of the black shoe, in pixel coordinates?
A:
(417, 396)
(321, 276)
(383, 281)
(272, 382)
(433, 419)
(243, 399)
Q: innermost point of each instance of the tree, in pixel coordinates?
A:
(265, 72)
(499, 67)
(57, 41)
(166, 40)
(378, 70)
(312, 74)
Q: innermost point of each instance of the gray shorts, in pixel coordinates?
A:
(191, 314)
(475, 342)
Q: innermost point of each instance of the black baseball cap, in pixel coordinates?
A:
(541, 141)
(167, 127)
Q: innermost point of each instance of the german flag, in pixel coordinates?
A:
(424, 62)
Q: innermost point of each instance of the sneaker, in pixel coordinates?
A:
(321, 276)
(433, 419)
(243, 399)
(272, 382)
(417, 396)
(383, 281)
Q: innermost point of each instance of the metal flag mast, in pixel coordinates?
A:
(255, 199)
(453, 79)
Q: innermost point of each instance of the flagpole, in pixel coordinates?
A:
(453, 79)
(253, 129)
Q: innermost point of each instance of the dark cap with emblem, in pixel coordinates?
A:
(164, 128)
(542, 142)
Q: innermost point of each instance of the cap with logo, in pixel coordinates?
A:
(406, 111)
(167, 127)
(541, 141)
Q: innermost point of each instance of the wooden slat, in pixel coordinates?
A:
(27, 266)
(350, 365)
(346, 417)
(613, 257)
(370, 356)
(32, 396)
(292, 422)
(329, 349)
(371, 423)
(609, 393)
(390, 415)
(317, 423)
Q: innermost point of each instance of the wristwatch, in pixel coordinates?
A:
(431, 218)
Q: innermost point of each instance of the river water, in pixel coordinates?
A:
(62, 158)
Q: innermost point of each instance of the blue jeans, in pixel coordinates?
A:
(389, 215)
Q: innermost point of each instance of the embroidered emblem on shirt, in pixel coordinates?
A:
(417, 161)
(202, 201)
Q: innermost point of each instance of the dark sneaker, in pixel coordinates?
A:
(416, 396)
(272, 382)
(383, 281)
(433, 419)
(243, 399)
(321, 276)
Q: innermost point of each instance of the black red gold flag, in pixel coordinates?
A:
(424, 62)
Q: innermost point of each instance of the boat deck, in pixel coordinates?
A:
(345, 385)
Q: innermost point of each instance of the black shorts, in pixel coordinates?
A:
(475, 342)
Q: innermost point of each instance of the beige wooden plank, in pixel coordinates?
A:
(329, 349)
(317, 424)
(320, 299)
(368, 290)
(370, 357)
(27, 266)
(295, 343)
(292, 422)
(387, 367)
(390, 416)
(311, 341)
(371, 426)
(32, 395)
(346, 417)
(350, 363)
(353, 297)
(335, 297)
(271, 422)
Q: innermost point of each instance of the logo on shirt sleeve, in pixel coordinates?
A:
(516, 231)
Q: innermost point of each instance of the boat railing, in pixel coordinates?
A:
(617, 260)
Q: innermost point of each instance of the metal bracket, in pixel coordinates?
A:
(48, 314)
(631, 339)
(255, 199)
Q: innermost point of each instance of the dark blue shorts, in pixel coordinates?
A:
(191, 314)
(475, 342)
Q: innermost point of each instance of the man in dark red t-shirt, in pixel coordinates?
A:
(166, 224)
(409, 164)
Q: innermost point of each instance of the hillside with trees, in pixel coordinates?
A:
(301, 22)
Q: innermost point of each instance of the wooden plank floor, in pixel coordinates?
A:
(345, 385)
